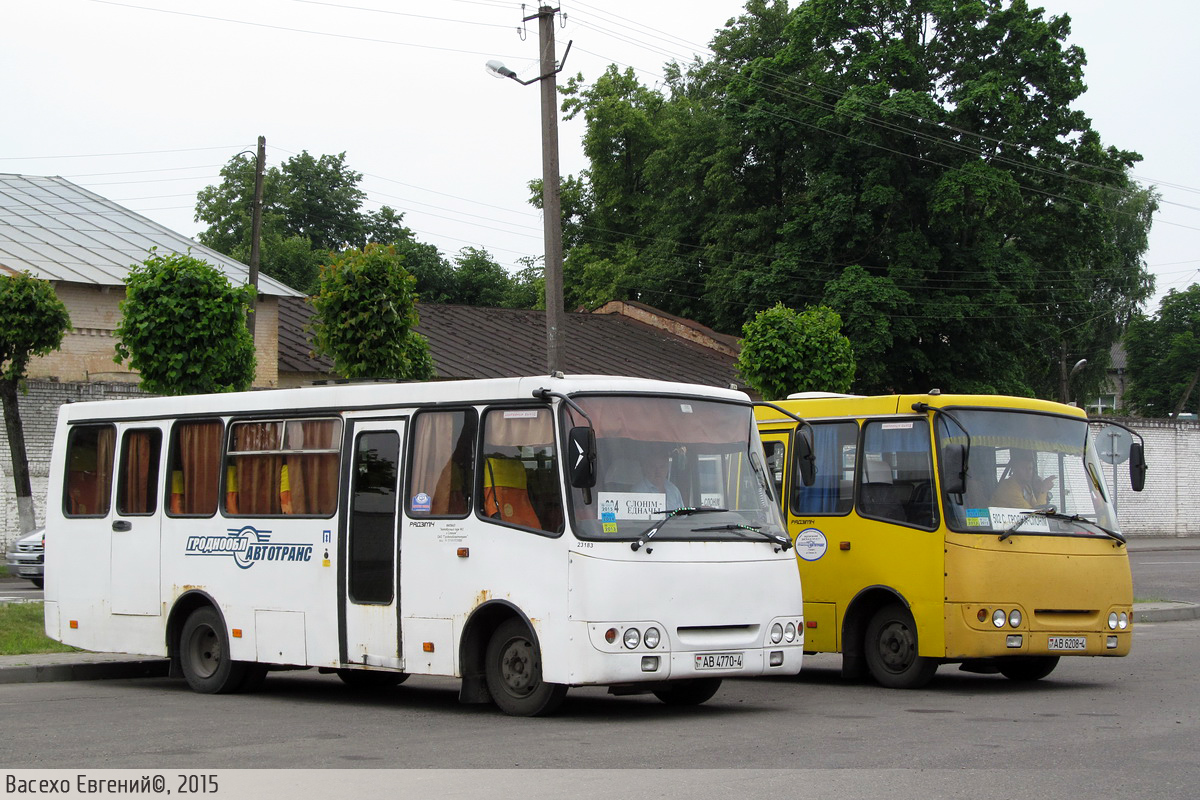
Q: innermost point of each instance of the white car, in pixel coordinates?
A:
(26, 555)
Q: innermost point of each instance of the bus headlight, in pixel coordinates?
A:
(999, 618)
(776, 633)
(789, 632)
(1123, 621)
(1014, 618)
(632, 638)
(651, 638)
(1112, 620)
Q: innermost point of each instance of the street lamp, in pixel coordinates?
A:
(551, 202)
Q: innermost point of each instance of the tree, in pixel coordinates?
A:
(785, 352)
(32, 323)
(918, 160)
(365, 316)
(1164, 356)
(183, 327)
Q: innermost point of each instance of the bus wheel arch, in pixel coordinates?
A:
(472, 649)
(183, 608)
(880, 640)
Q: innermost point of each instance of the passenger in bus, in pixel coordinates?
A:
(656, 464)
(1021, 486)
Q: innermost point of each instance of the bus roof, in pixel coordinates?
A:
(816, 405)
(377, 394)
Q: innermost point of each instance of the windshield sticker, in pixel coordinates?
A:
(421, 503)
(1029, 522)
(811, 544)
(978, 518)
(686, 408)
(631, 505)
(528, 414)
(897, 426)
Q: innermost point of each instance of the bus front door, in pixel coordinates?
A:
(371, 547)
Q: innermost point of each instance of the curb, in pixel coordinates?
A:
(1165, 612)
(84, 671)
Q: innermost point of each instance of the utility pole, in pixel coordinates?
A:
(256, 229)
(551, 201)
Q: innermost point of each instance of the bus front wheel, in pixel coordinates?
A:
(514, 673)
(204, 654)
(1027, 668)
(891, 650)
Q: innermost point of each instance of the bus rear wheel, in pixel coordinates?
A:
(891, 650)
(513, 671)
(1027, 668)
(204, 654)
(688, 693)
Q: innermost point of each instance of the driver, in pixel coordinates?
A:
(1021, 487)
(655, 467)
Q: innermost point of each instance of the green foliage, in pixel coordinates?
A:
(32, 322)
(917, 166)
(365, 315)
(1164, 356)
(183, 327)
(785, 352)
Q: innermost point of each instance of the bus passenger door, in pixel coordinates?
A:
(370, 547)
(137, 523)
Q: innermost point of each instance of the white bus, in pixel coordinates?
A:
(506, 532)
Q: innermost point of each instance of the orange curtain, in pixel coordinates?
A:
(138, 494)
(196, 480)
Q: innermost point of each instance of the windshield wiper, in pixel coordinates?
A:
(645, 536)
(1051, 513)
(784, 542)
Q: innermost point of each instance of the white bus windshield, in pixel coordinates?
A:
(655, 455)
(1028, 474)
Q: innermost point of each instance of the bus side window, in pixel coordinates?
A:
(776, 458)
(195, 468)
(519, 478)
(897, 476)
(89, 471)
(137, 487)
(835, 448)
(441, 464)
(283, 467)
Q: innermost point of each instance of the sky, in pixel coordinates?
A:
(143, 101)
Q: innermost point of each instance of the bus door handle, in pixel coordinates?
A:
(122, 525)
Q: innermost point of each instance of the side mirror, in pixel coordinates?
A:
(1137, 466)
(581, 452)
(954, 469)
(806, 460)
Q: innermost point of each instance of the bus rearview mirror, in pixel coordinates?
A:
(1137, 466)
(581, 452)
(806, 461)
(954, 469)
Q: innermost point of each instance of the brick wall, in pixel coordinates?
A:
(1170, 503)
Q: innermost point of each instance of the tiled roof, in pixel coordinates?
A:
(471, 342)
(62, 232)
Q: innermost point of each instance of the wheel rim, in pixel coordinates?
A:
(516, 667)
(204, 652)
(897, 646)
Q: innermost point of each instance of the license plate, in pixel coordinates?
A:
(718, 661)
(28, 571)
(1067, 643)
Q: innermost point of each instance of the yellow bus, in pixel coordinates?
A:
(941, 528)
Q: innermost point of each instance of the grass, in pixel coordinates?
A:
(22, 631)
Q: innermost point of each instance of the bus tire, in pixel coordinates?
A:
(891, 650)
(204, 654)
(513, 670)
(371, 679)
(1027, 668)
(688, 692)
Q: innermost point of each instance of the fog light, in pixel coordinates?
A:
(1013, 640)
(999, 618)
(649, 663)
(776, 658)
(632, 638)
(1123, 621)
(1111, 643)
(651, 638)
(776, 633)
(1014, 618)
(789, 632)
(1112, 620)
